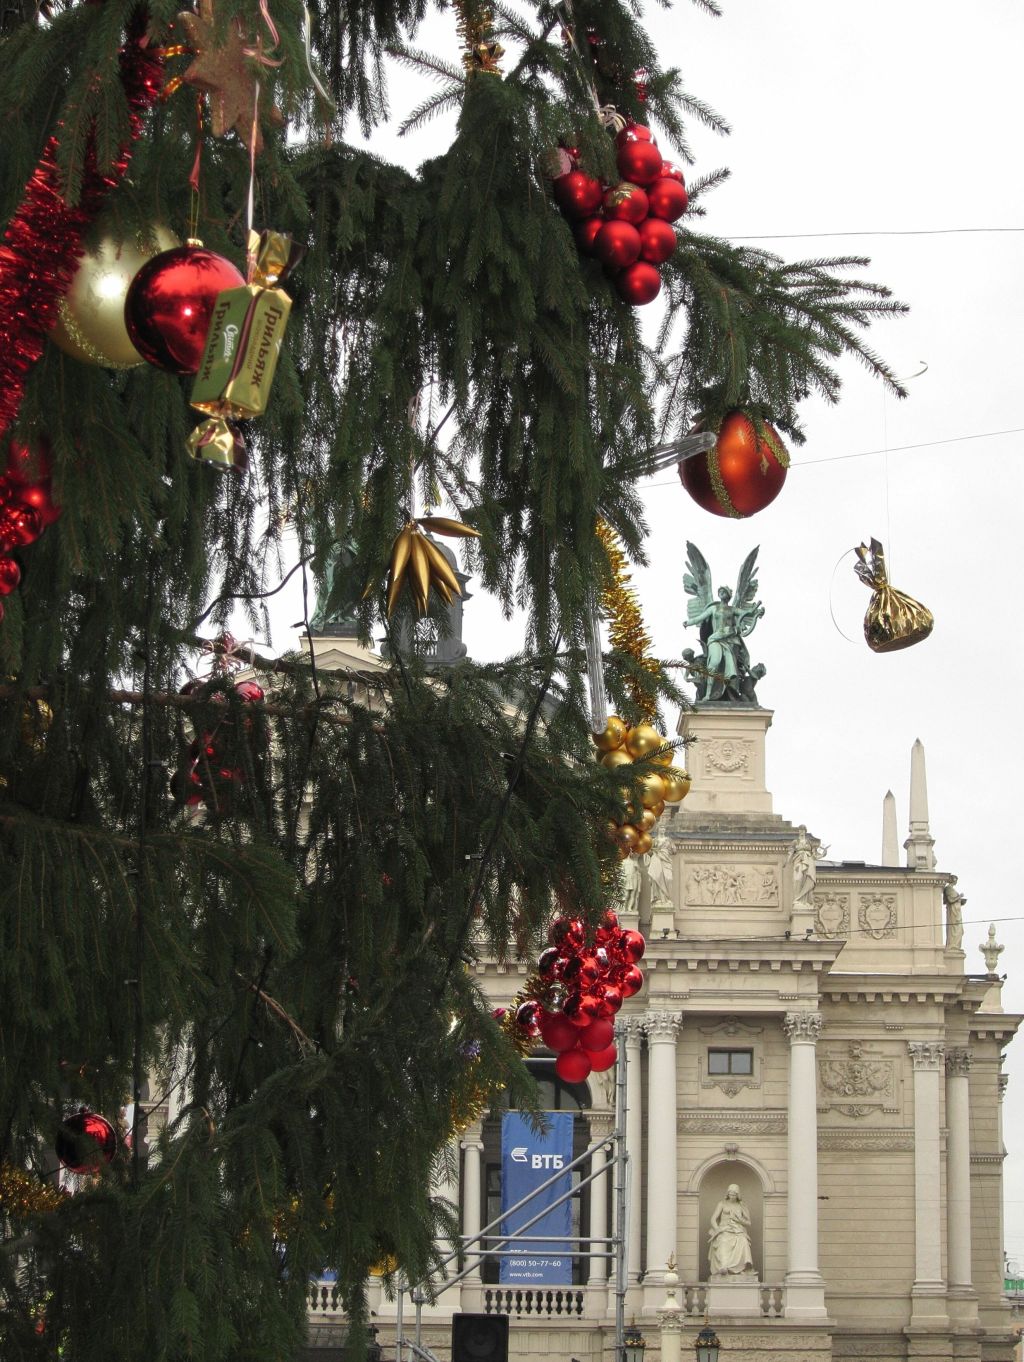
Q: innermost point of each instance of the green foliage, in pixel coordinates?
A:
(290, 968)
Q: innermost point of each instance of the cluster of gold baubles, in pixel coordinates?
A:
(621, 746)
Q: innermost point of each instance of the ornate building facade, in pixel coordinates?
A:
(808, 1045)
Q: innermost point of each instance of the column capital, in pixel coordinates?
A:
(662, 1026)
(802, 1026)
(633, 1026)
(473, 1136)
(958, 1060)
(926, 1054)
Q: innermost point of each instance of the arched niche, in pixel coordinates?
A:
(717, 1176)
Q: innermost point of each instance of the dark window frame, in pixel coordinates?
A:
(731, 1054)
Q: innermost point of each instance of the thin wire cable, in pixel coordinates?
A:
(894, 449)
(909, 231)
(867, 931)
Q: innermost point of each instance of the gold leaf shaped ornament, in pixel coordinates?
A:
(420, 565)
(893, 619)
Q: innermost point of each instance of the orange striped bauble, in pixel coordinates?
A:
(742, 474)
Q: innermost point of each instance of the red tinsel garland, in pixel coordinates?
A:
(44, 238)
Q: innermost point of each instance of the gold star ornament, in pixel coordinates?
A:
(225, 70)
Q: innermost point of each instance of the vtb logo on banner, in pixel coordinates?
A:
(528, 1158)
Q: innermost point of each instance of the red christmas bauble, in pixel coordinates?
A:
(657, 240)
(527, 1015)
(626, 202)
(639, 283)
(578, 194)
(556, 1032)
(27, 465)
(38, 495)
(668, 199)
(670, 171)
(573, 1066)
(639, 162)
(632, 981)
(633, 946)
(617, 244)
(742, 474)
(170, 302)
(10, 575)
(249, 691)
(85, 1141)
(546, 962)
(612, 1000)
(634, 132)
(585, 232)
(19, 525)
(598, 1035)
(567, 934)
(603, 1059)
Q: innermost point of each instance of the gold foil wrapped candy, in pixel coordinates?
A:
(244, 339)
(893, 620)
(219, 442)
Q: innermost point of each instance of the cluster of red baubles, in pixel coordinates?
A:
(627, 226)
(210, 774)
(26, 508)
(585, 983)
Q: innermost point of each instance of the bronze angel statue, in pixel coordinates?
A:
(723, 672)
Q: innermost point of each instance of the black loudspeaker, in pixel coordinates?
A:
(479, 1338)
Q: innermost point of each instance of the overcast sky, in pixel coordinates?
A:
(854, 122)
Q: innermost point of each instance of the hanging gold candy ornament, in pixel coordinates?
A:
(626, 632)
(893, 619)
(418, 563)
(481, 52)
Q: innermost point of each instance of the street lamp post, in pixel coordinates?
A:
(633, 1344)
(706, 1345)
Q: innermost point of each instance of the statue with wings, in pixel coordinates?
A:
(723, 672)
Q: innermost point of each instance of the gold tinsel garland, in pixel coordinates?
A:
(476, 1100)
(622, 609)
(22, 1195)
(481, 52)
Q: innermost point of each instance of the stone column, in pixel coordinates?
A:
(634, 1147)
(600, 1126)
(958, 1169)
(927, 1059)
(662, 1176)
(473, 1145)
(805, 1290)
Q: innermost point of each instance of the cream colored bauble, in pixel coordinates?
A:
(90, 324)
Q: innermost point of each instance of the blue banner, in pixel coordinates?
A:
(529, 1158)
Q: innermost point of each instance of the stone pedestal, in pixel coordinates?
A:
(734, 1296)
(726, 760)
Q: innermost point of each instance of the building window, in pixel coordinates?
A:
(731, 1062)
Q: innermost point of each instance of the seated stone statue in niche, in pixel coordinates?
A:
(729, 1235)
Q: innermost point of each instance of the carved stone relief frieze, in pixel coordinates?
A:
(856, 1082)
(877, 915)
(733, 1122)
(711, 884)
(731, 756)
(832, 914)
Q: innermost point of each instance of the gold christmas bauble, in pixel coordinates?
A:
(614, 735)
(658, 809)
(651, 790)
(620, 757)
(90, 324)
(643, 844)
(627, 837)
(647, 820)
(643, 740)
(677, 785)
(665, 758)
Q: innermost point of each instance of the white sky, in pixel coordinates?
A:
(884, 117)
